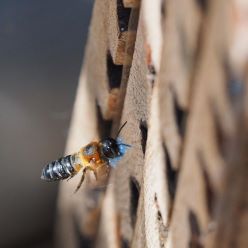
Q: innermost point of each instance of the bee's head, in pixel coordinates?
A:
(110, 148)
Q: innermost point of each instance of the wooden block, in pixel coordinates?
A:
(117, 29)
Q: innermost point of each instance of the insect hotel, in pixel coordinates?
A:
(176, 72)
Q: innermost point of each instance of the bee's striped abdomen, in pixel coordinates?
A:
(59, 169)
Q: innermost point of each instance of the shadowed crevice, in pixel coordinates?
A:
(171, 174)
(180, 115)
(195, 230)
(143, 130)
(203, 5)
(134, 198)
(209, 192)
(123, 16)
(114, 73)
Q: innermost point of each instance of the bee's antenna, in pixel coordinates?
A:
(121, 129)
(126, 145)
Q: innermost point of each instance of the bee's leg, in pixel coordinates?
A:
(95, 174)
(71, 176)
(92, 162)
(81, 180)
(68, 178)
(94, 171)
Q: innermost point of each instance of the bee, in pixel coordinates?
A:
(105, 153)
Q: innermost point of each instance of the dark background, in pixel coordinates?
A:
(41, 51)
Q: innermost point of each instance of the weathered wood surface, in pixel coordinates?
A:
(181, 84)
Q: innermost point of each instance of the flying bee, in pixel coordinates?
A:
(105, 153)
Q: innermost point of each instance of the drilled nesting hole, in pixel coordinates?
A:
(84, 240)
(163, 9)
(124, 243)
(203, 5)
(180, 115)
(171, 173)
(134, 198)
(114, 72)
(123, 16)
(143, 131)
(209, 192)
(219, 133)
(195, 230)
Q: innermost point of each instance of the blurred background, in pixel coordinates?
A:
(41, 51)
